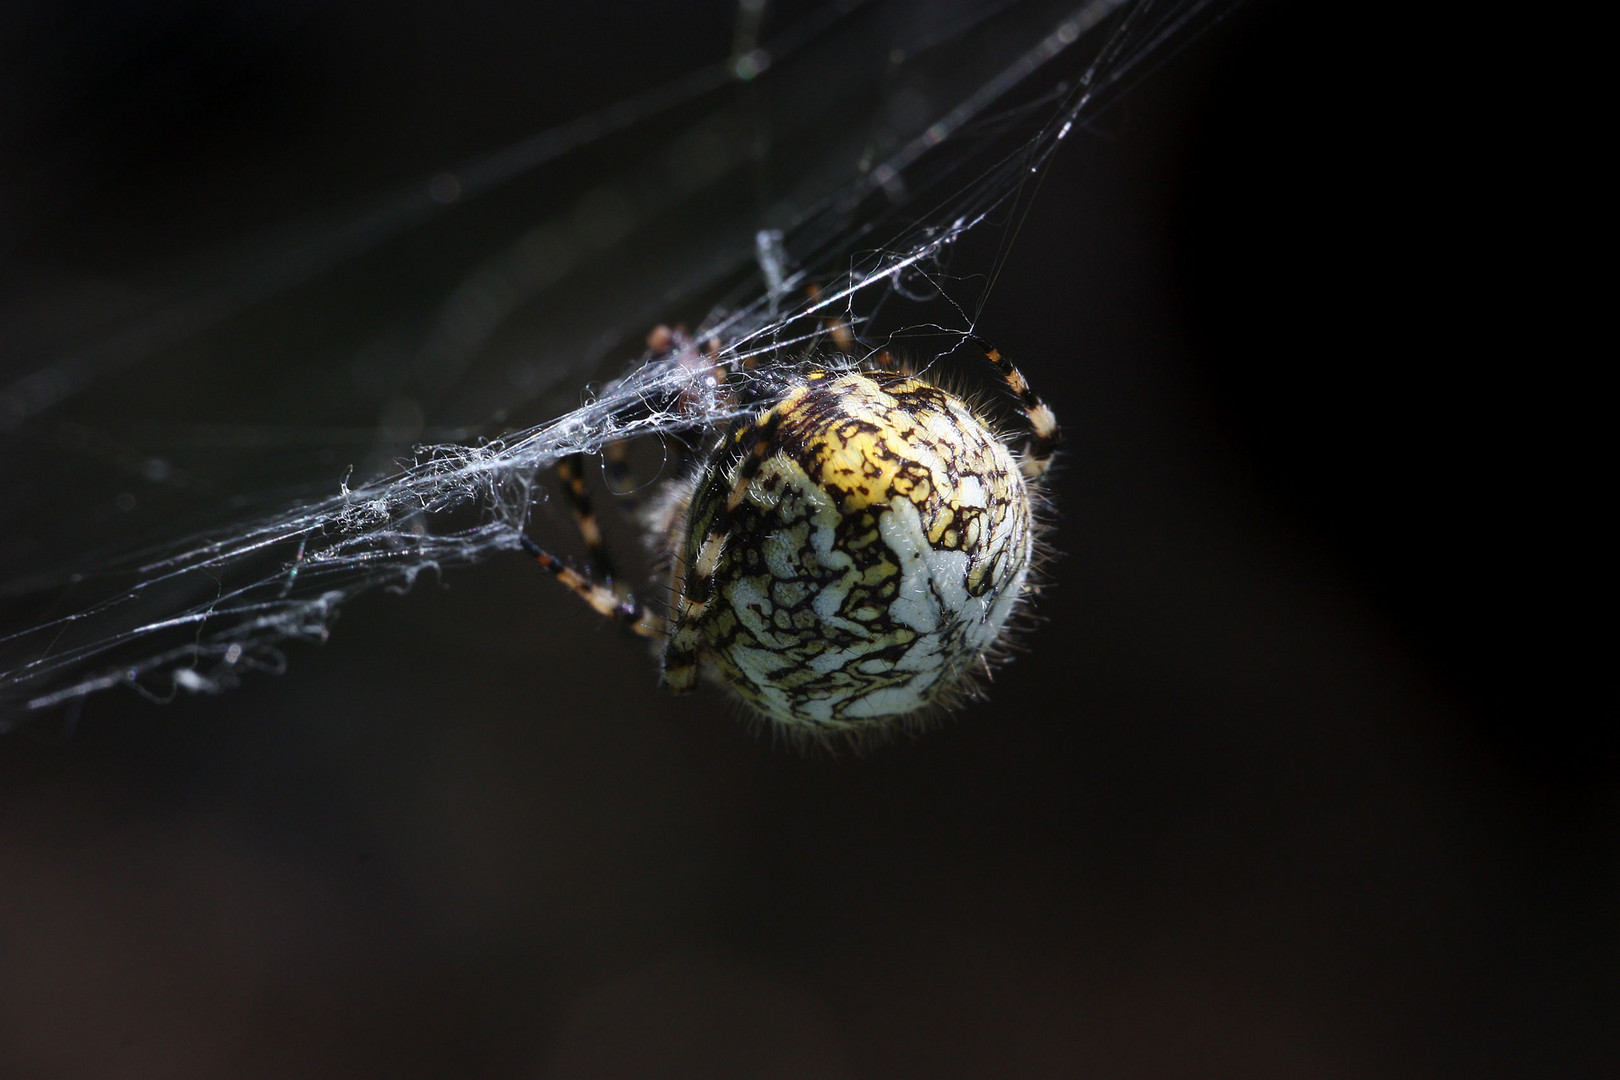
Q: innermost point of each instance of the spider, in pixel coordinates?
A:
(844, 558)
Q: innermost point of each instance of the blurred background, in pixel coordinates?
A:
(1291, 779)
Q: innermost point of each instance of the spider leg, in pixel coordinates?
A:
(842, 339)
(884, 360)
(1044, 432)
(694, 584)
(694, 588)
(680, 659)
(836, 328)
(571, 471)
(755, 441)
(624, 609)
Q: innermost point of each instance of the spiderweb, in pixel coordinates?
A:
(826, 167)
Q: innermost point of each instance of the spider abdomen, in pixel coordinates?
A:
(849, 556)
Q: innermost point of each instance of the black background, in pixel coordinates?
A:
(1291, 781)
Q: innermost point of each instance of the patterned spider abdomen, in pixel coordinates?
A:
(848, 557)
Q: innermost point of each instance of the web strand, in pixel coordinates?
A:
(194, 614)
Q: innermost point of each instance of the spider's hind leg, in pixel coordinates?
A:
(884, 360)
(1044, 432)
(596, 586)
(571, 471)
(624, 608)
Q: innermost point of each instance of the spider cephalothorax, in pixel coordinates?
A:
(845, 558)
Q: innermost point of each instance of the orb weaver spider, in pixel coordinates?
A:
(845, 558)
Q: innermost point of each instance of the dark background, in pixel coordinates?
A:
(1290, 781)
